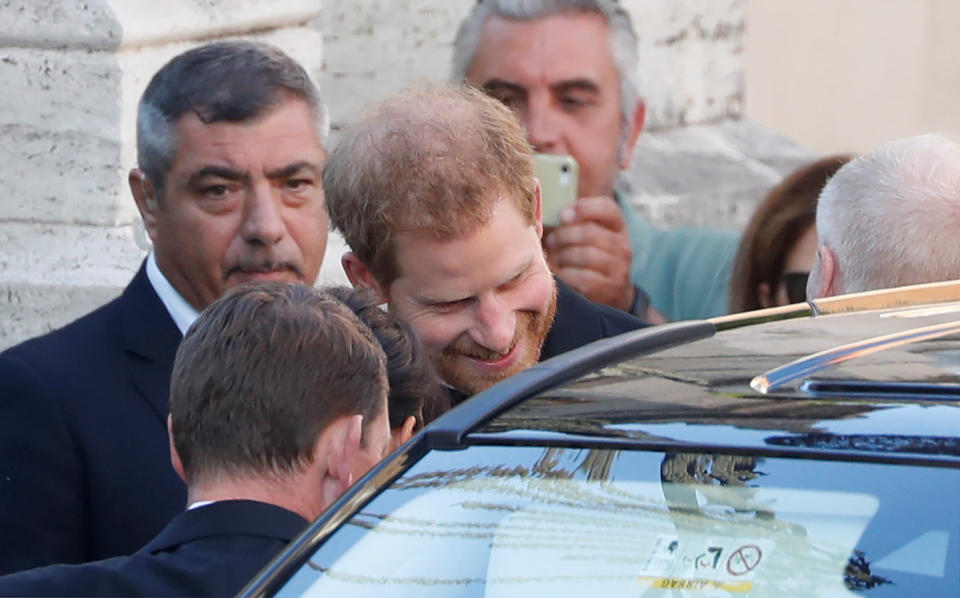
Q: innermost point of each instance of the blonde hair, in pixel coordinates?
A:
(432, 160)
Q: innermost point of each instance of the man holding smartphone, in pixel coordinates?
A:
(568, 69)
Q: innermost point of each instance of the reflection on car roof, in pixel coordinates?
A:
(703, 388)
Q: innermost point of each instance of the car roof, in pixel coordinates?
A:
(879, 384)
(685, 387)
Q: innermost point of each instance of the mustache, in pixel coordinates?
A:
(466, 347)
(264, 265)
(475, 351)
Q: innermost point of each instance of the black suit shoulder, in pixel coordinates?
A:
(614, 321)
(211, 551)
(580, 321)
(82, 436)
(71, 352)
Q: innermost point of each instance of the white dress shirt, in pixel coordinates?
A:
(183, 313)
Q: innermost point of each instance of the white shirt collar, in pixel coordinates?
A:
(183, 313)
(200, 503)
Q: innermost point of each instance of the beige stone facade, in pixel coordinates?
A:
(71, 74)
(848, 75)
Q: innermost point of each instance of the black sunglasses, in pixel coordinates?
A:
(795, 284)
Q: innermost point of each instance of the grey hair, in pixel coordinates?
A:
(232, 81)
(891, 217)
(623, 38)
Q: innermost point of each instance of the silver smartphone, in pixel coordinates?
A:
(558, 184)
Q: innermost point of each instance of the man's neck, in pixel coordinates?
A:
(293, 493)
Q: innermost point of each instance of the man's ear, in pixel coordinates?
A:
(538, 207)
(174, 455)
(633, 132)
(403, 433)
(145, 195)
(339, 444)
(360, 276)
(831, 272)
(824, 276)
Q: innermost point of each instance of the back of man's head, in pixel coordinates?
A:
(890, 218)
(623, 38)
(262, 373)
(228, 81)
(433, 160)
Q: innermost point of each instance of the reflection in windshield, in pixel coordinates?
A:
(526, 521)
(857, 575)
(690, 474)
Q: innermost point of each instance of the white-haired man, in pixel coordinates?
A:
(568, 69)
(890, 218)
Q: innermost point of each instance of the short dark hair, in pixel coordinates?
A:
(232, 81)
(432, 160)
(262, 372)
(415, 388)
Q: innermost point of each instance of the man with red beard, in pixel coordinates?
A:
(435, 194)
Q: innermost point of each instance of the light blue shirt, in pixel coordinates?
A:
(685, 270)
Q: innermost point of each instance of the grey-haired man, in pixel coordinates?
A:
(230, 147)
(568, 68)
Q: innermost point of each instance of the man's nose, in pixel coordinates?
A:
(263, 221)
(543, 131)
(496, 324)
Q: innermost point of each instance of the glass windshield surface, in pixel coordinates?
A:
(526, 521)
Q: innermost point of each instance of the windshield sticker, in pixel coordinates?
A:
(697, 563)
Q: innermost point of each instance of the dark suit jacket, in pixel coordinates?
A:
(213, 550)
(85, 468)
(580, 321)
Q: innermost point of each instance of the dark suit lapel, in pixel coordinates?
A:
(150, 338)
(574, 325)
(228, 518)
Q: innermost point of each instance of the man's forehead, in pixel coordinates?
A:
(432, 269)
(281, 136)
(567, 45)
(291, 110)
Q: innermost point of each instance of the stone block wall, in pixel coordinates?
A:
(691, 67)
(698, 162)
(72, 73)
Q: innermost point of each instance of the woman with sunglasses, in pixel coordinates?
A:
(780, 242)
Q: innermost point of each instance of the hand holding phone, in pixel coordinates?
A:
(558, 185)
(592, 252)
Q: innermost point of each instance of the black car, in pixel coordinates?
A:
(799, 451)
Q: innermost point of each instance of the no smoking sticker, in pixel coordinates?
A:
(701, 562)
(744, 559)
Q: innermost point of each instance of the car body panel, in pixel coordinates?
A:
(858, 437)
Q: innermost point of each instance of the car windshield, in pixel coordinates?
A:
(493, 521)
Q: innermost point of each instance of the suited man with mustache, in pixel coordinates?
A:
(230, 142)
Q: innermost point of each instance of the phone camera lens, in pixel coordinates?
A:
(564, 168)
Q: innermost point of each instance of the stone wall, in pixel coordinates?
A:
(71, 74)
(698, 163)
(70, 78)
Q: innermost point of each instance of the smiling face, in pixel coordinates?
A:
(241, 201)
(482, 303)
(557, 74)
